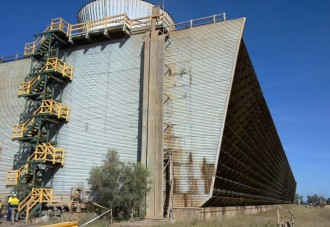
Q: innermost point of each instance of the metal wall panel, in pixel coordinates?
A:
(104, 101)
(11, 74)
(200, 63)
(106, 8)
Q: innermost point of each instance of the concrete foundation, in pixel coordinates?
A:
(217, 213)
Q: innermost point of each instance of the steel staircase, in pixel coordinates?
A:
(14, 175)
(49, 108)
(36, 197)
(54, 67)
(44, 111)
(44, 153)
(48, 153)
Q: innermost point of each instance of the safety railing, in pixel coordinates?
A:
(60, 25)
(56, 65)
(48, 153)
(52, 65)
(12, 58)
(114, 21)
(25, 88)
(54, 108)
(104, 23)
(14, 175)
(19, 130)
(30, 48)
(198, 22)
(61, 199)
(48, 107)
(38, 195)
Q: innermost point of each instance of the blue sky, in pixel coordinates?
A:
(288, 42)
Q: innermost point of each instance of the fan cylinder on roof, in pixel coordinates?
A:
(134, 9)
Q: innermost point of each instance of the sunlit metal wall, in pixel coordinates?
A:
(11, 74)
(199, 119)
(200, 64)
(106, 8)
(104, 101)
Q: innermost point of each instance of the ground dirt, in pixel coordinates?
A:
(303, 217)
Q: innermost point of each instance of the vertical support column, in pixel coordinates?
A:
(152, 118)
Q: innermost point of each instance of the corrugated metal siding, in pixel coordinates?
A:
(11, 74)
(106, 8)
(104, 101)
(201, 64)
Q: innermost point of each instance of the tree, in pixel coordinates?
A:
(298, 199)
(328, 201)
(313, 199)
(119, 186)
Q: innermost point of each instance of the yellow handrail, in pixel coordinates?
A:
(52, 65)
(55, 64)
(74, 29)
(52, 107)
(48, 153)
(14, 175)
(18, 130)
(38, 195)
(25, 87)
(45, 153)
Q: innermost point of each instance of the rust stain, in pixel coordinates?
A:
(190, 79)
(190, 158)
(185, 200)
(207, 172)
(193, 186)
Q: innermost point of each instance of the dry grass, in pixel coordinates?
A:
(303, 217)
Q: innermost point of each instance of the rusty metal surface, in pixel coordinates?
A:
(11, 74)
(253, 168)
(200, 65)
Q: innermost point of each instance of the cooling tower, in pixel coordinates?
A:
(183, 100)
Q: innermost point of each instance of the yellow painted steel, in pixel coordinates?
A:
(30, 48)
(45, 152)
(64, 224)
(25, 87)
(38, 195)
(19, 130)
(52, 65)
(48, 153)
(121, 20)
(13, 175)
(54, 108)
(56, 65)
(48, 107)
(58, 24)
